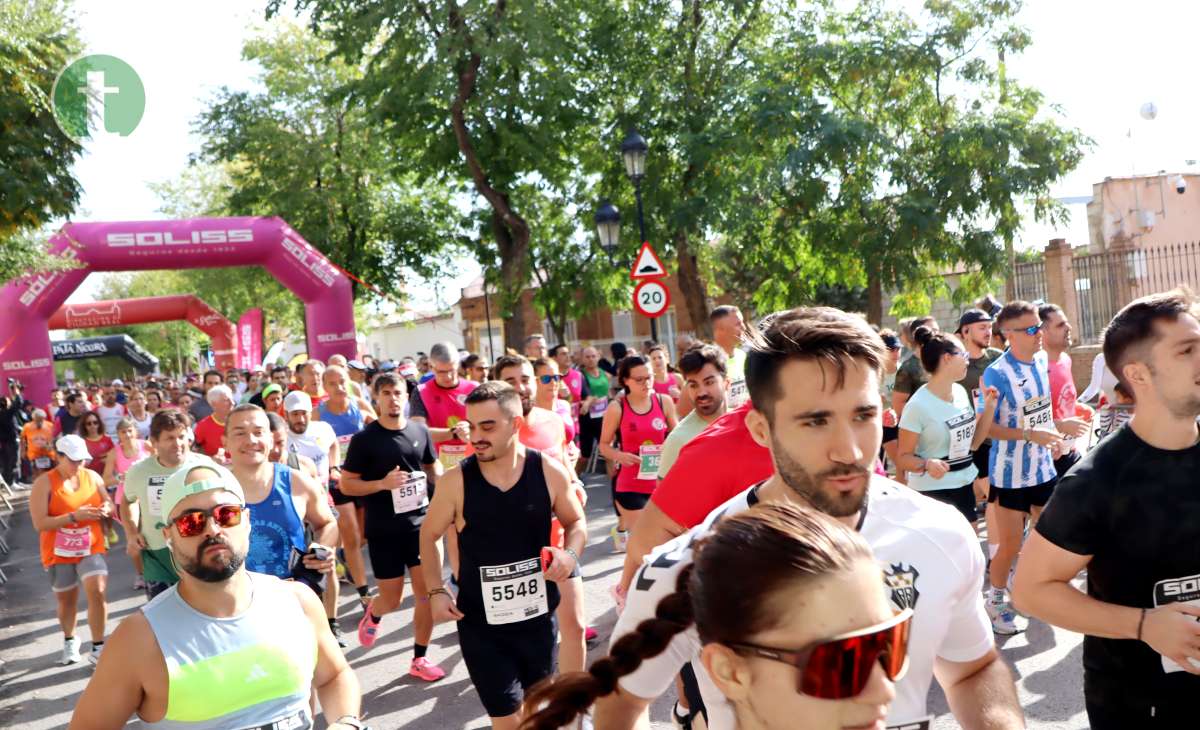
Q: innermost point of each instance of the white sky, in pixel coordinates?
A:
(1100, 61)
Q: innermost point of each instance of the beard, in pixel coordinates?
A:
(809, 487)
(707, 405)
(221, 571)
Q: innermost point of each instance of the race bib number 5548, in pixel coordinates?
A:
(514, 592)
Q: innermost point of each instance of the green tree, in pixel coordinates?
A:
(36, 183)
(308, 152)
(923, 153)
(479, 97)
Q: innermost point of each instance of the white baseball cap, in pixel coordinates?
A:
(73, 447)
(117, 383)
(297, 400)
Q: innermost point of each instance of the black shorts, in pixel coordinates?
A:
(980, 457)
(1065, 462)
(890, 434)
(961, 498)
(339, 498)
(1024, 498)
(393, 551)
(631, 501)
(589, 432)
(505, 662)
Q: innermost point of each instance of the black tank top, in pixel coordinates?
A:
(504, 529)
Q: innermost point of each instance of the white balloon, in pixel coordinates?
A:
(1149, 110)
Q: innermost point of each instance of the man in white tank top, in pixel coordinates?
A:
(274, 648)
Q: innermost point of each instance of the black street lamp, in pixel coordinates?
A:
(633, 153)
(608, 226)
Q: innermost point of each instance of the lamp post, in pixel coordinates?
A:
(633, 153)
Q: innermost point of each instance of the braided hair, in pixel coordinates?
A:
(725, 593)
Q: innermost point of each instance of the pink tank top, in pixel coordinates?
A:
(124, 462)
(446, 407)
(543, 430)
(664, 388)
(642, 434)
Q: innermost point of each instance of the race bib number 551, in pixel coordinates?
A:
(412, 495)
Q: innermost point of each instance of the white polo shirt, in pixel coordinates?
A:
(314, 443)
(931, 562)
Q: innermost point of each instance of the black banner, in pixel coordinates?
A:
(121, 346)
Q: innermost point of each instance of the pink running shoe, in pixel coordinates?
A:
(368, 630)
(590, 634)
(424, 669)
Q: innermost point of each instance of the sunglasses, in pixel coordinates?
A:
(193, 522)
(1031, 331)
(548, 379)
(840, 667)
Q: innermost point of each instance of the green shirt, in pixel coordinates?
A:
(143, 486)
(910, 376)
(975, 370)
(685, 431)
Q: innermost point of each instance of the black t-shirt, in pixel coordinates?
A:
(1136, 510)
(375, 451)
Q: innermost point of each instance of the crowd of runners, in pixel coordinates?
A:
(819, 519)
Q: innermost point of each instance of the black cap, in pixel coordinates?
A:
(972, 316)
(891, 342)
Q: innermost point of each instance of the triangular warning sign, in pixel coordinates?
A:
(647, 265)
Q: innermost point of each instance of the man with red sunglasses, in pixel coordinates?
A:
(813, 378)
(224, 647)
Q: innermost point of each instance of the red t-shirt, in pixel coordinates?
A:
(98, 450)
(714, 466)
(209, 433)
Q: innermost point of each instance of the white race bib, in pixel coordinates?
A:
(73, 542)
(412, 495)
(514, 592)
(651, 457)
(1177, 590)
(599, 406)
(923, 724)
(962, 431)
(344, 445)
(1036, 413)
(451, 454)
(737, 392)
(42, 462)
(154, 492)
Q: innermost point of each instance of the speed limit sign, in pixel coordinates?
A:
(651, 298)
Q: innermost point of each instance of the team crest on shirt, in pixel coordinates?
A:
(659, 424)
(901, 580)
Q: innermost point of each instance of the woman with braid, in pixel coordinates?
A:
(795, 623)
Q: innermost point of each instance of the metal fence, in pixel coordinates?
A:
(1107, 281)
(1030, 281)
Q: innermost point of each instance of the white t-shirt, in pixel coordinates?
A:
(314, 443)
(931, 562)
(110, 416)
(944, 431)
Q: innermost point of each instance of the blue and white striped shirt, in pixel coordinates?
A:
(1024, 403)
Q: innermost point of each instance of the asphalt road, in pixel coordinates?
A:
(36, 693)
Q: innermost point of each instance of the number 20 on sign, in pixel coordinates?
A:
(651, 298)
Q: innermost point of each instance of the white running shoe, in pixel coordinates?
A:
(620, 539)
(70, 652)
(94, 654)
(1004, 618)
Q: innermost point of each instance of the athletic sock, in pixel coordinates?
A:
(68, 638)
(998, 595)
(419, 650)
(362, 591)
(332, 623)
(374, 619)
(97, 644)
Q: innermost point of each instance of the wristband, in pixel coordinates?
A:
(435, 591)
(573, 554)
(349, 721)
(1141, 621)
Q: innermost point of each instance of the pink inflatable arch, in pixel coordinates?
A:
(27, 304)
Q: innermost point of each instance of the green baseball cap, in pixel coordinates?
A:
(177, 489)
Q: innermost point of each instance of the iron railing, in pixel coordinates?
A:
(1029, 278)
(1107, 281)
